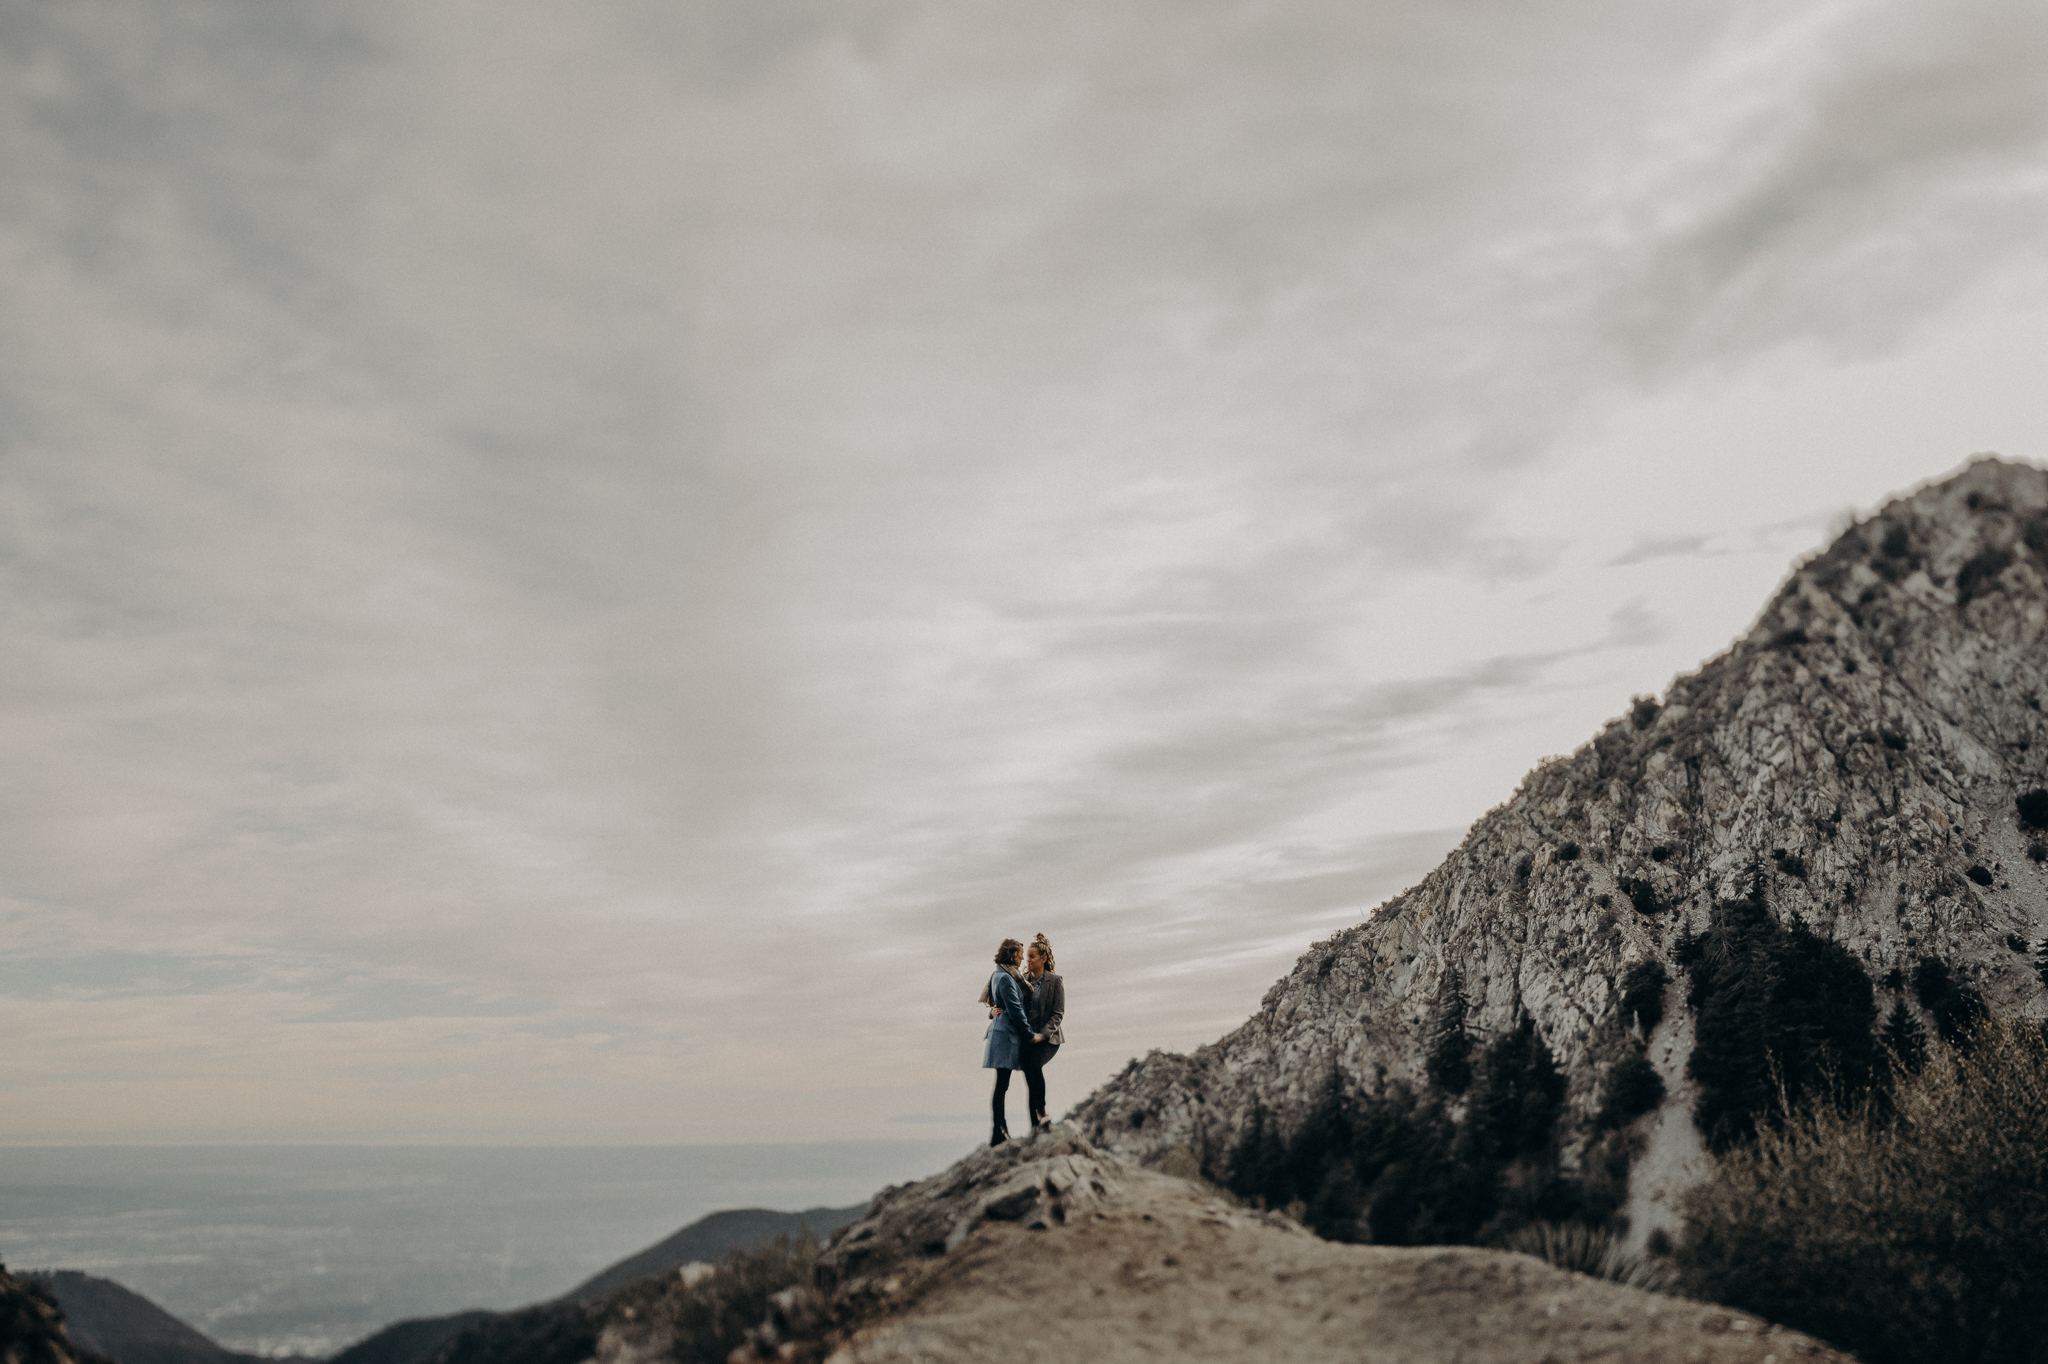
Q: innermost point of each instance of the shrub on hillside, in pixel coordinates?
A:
(2035, 533)
(2033, 808)
(1642, 994)
(1979, 573)
(709, 1319)
(1956, 1007)
(1633, 1088)
(1911, 1231)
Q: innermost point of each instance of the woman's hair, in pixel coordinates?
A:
(1010, 953)
(1044, 946)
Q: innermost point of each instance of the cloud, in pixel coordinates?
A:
(572, 544)
(1668, 547)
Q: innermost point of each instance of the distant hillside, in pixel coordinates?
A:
(125, 1326)
(409, 1342)
(561, 1330)
(32, 1327)
(710, 1239)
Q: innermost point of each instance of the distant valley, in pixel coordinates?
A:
(104, 1319)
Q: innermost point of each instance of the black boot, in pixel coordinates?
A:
(1001, 1133)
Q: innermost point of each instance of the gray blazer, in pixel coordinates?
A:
(1048, 1006)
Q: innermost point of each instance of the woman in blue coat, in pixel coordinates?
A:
(1009, 1032)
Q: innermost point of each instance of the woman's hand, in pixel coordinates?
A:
(1038, 1037)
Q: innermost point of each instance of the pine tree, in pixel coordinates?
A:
(1449, 1064)
(1904, 1040)
(1258, 1167)
(1642, 994)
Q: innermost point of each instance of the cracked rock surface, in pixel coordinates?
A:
(1860, 750)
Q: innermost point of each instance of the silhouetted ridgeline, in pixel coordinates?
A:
(710, 1239)
(122, 1325)
(410, 1342)
(32, 1326)
(564, 1331)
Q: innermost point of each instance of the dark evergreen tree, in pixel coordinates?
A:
(1642, 994)
(1780, 1012)
(1633, 1088)
(1516, 1097)
(1417, 1191)
(1449, 1062)
(1258, 1167)
(1903, 1039)
(1956, 1007)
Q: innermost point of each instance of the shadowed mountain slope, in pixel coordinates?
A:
(710, 1239)
(32, 1325)
(564, 1331)
(125, 1326)
(411, 1341)
(1834, 817)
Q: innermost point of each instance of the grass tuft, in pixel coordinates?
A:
(1591, 1250)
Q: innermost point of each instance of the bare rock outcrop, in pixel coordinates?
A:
(1055, 1250)
(1857, 763)
(1040, 1183)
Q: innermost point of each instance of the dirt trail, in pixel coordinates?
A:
(1107, 1263)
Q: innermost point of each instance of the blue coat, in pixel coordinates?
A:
(1009, 1032)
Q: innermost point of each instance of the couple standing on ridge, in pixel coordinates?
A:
(1025, 1008)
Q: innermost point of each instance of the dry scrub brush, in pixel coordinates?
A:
(1912, 1226)
(1590, 1250)
(702, 1320)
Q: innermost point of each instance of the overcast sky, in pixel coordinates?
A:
(567, 571)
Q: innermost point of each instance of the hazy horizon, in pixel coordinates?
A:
(306, 1249)
(569, 573)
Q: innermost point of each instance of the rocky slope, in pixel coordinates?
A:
(1839, 797)
(1052, 1249)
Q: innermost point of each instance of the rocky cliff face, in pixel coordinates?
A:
(1838, 801)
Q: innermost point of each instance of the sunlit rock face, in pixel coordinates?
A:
(1858, 759)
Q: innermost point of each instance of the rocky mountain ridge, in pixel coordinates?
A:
(1841, 798)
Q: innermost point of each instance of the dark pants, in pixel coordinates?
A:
(1036, 1054)
(1002, 1093)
